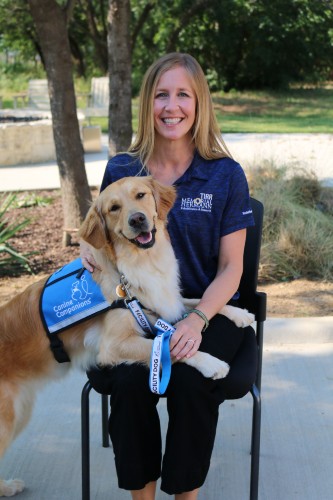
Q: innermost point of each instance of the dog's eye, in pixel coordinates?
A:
(140, 195)
(114, 208)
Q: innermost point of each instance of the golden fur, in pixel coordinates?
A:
(120, 227)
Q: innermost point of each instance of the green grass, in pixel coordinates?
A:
(308, 110)
(271, 124)
(295, 111)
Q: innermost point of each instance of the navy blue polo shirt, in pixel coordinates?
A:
(212, 201)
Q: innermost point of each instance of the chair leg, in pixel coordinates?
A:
(105, 420)
(85, 441)
(255, 443)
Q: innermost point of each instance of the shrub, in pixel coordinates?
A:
(298, 224)
(8, 255)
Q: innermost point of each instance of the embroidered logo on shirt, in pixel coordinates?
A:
(247, 212)
(203, 203)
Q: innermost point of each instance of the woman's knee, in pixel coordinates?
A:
(188, 384)
(243, 369)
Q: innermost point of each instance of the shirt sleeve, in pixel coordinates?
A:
(237, 213)
(107, 178)
(119, 166)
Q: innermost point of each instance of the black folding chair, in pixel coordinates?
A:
(250, 299)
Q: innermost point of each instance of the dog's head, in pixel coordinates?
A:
(131, 209)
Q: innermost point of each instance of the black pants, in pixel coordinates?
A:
(192, 402)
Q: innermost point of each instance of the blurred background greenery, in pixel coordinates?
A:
(269, 64)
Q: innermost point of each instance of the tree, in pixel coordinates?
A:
(272, 44)
(239, 43)
(51, 26)
(120, 69)
(242, 43)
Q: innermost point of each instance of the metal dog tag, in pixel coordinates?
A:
(120, 291)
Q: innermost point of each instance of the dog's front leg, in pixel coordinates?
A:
(10, 487)
(241, 317)
(15, 409)
(133, 349)
(208, 365)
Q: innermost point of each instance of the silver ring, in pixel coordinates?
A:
(190, 340)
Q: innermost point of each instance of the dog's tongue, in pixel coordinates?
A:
(144, 238)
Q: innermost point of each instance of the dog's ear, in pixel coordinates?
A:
(165, 197)
(93, 228)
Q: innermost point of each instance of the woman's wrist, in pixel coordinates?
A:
(200, 314)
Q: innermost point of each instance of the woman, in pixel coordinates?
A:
(179, 143)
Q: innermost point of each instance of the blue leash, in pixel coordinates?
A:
(160, 360)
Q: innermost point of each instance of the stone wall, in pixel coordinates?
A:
(28, 142)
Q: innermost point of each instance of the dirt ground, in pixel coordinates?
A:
(299, 298)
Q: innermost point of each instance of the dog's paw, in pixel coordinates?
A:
(244, 318)
(216, 368)
(208, 365)
(10, 487)
(241, 317)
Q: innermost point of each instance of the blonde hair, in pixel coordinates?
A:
(205, 131)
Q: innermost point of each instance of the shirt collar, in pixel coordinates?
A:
(196, 170)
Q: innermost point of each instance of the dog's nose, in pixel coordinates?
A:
(137, 220)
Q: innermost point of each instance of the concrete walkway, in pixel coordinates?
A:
(314, 152)
(296, 435)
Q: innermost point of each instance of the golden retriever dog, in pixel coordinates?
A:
(126, 229)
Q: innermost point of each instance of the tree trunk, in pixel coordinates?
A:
(120, 68)
(51, 26)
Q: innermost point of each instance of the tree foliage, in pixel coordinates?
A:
(240, 43)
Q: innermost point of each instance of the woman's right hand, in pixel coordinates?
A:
(87, 257)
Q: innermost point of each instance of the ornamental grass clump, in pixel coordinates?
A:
(298, 224)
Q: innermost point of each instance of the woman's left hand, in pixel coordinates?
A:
(187, 338)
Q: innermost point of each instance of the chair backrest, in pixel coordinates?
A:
(38, 95)
(248, 284)
(100, 92)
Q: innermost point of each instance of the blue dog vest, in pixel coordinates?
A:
(69, 296)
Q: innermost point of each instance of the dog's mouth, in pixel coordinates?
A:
(146, 239)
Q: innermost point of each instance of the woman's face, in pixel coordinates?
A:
(174, 105)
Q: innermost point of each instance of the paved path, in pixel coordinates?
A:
(311, 151)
